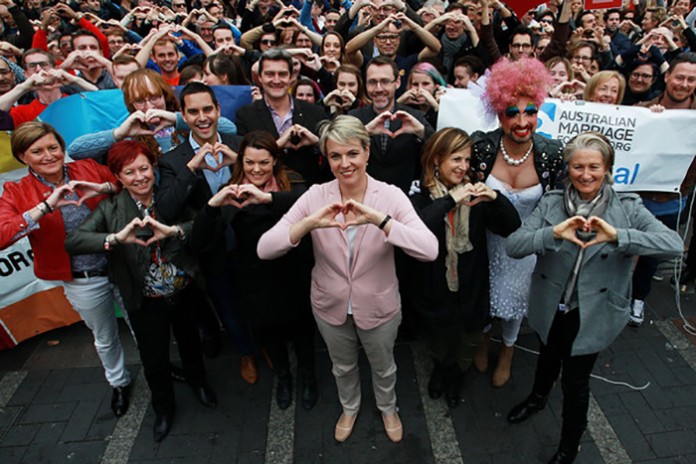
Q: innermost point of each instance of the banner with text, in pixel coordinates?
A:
(653, 150)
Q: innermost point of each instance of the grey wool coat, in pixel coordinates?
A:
(604, 280)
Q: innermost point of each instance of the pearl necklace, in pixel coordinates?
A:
(512, 161)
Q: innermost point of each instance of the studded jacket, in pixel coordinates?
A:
(548, 158)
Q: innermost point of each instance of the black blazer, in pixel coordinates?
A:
(307, 161)
(182, 194)
(180, 189)
(399, 164)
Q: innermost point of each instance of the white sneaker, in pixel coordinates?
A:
(637, 313)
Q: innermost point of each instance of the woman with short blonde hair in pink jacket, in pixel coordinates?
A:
(355, 222)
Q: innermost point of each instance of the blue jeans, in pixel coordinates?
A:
(646, 266)
(221, 291)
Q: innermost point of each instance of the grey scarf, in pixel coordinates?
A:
(450, 48)
(576, 207)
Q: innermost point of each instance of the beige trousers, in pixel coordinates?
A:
(343, 342)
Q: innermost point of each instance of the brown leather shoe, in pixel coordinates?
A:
(249, 372)
(344, 427)
(393, 427)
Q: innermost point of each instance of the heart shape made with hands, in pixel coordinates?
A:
(221, 158)
(582, 229)
(154, 121)
(398, 116)
(234, 197)
(344, 208)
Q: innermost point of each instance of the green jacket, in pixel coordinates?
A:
(128, 263)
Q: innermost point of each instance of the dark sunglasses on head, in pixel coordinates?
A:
(514, 111)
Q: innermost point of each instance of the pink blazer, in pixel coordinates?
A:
(371, 283)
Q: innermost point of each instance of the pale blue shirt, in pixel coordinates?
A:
(215, 179)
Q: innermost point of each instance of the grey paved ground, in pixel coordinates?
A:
(54, 408)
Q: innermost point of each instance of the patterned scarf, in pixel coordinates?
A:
(456, 235)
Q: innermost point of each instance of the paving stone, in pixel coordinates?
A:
(12, 454)
(52, 412)
(631, 438)
(642, 413)
(29, 387)
(81, 420)
(62, 453)
(8, 415)
(49, 433)
(611, 404)
(52, 386)
(677, 418)
(20, 435)
(673, 443)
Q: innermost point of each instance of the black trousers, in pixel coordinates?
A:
(555, 357)
(152, 326)
(275, 337)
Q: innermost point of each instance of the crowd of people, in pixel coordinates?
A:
(330, 202)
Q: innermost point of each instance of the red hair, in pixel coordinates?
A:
(510, 80)
(125, 152)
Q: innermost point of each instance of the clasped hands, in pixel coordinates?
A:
(585, 232)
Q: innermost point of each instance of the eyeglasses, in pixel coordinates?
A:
(546, 20)
(513, 111)
(639, 76)
(45, 65)
(372, 83)
(268, 42)
(178, 5)
(152, 100)
(388, 37)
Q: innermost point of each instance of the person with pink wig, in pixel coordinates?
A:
(522, 165)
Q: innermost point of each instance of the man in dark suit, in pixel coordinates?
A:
(397, 133)
(190, 175)
(293, 122)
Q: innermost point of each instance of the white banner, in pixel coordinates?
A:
(17, 263)
(653, 150)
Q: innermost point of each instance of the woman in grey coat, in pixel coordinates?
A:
(585, 238)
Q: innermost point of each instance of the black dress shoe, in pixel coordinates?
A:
(523, 411)
(310, 393)
(284, 390)
(564, 457)
(453, 383)
(119, 400)
(206, 396)
(177, 373)
(163, 423)
(436, 385)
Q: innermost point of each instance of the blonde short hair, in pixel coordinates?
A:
(343, 129)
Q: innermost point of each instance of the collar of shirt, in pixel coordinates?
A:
(215, 179)
(281, 123)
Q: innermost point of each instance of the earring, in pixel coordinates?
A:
(437, 171)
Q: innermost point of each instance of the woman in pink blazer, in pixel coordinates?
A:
(355, 222)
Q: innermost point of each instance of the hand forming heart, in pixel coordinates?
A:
(585, 232)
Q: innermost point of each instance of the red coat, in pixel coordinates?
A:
(51, 261)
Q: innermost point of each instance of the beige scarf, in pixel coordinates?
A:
(456, 235)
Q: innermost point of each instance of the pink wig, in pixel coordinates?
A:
(510, 80)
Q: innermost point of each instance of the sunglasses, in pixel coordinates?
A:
(513, 111)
